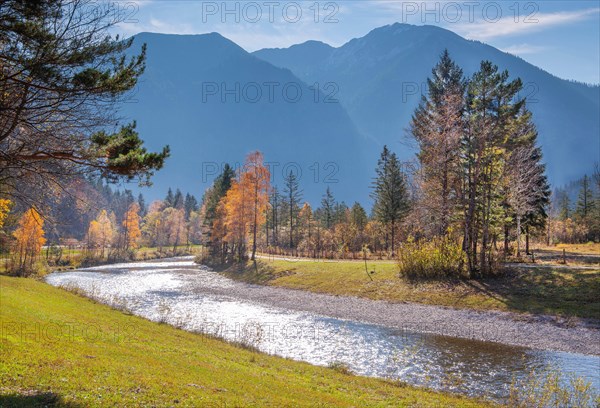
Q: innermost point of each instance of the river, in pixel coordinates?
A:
(193, 297)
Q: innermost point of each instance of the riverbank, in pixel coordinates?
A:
(569, 292)
(65, 350)
(73, 258)
(540, 332)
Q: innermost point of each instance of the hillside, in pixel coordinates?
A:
(214, 103)
(381, 76)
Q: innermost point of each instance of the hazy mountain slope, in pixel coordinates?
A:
(173, 105)
(378, 76)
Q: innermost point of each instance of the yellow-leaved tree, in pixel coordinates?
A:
(131, 224)
(4, 209)
(29, 237)
(100, 232)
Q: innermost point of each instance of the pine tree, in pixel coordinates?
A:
(169, 199)
(178, 201)
(490, 112)
(190, 205)
(273, 217)
(142, 203)
(564, 205)
(358, 216)
(293, 195)
(390, 194)
(328, 207)
(585, 200)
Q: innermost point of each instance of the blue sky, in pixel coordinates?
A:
(562, 37)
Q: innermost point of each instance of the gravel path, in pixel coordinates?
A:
(538, 332)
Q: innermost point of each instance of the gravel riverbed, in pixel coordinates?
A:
(534, 331)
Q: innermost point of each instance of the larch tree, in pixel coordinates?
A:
(256, 178)
(305, 217)
(437, 126)
(236, 208)
(525, 186)
(29, 237)
(101, 232)
(131, 226)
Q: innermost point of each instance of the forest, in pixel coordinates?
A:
(475, 195)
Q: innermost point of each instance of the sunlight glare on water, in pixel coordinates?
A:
(195, 298)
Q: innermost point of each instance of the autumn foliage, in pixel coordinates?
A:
(241, 212)
(29, 237)
(131, 225)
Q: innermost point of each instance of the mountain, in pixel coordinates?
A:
(380, 78)
(213, 103)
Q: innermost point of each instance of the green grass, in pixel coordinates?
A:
(544, 289)
(60, 348)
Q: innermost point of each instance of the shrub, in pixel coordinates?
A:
(438, 258)
(548, 389)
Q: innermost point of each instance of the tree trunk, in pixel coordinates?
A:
(518, 236)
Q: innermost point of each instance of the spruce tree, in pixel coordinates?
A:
(585, 200)
(293, 195)
(328, 207)
(390, 193)
(169, 199)
(358, 216)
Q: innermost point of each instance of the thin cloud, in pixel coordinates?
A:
(507, 26)
(522, 49)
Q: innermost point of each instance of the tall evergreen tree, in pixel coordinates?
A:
(293, 195)
(273, 216)
(491, 110)
(190, 205)
(328, 208)
(390, 194)
(169, 199)
(142, 203)
(358, 216)
(585, 200)
(178, 200)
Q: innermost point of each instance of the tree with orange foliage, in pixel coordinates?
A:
(29, 240)
(236, 207)
(131, 225)
(256, 178)
(245, 204)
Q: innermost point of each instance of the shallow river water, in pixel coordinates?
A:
(179, 292)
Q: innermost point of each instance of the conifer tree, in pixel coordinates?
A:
(390, 194)
(328, 207)
(437, 126)
(293, 195)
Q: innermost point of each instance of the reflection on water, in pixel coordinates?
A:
(179, 292)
